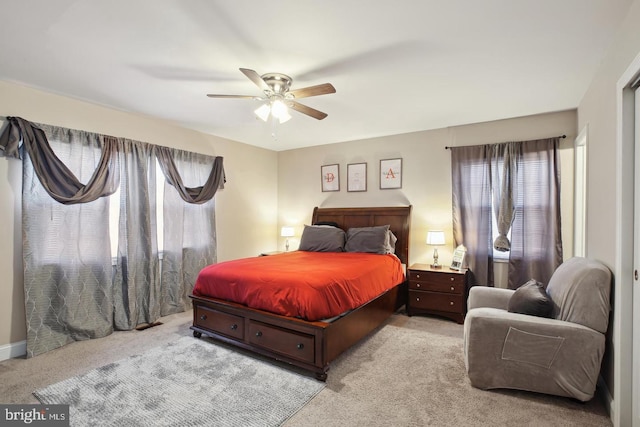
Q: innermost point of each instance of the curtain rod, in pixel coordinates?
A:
(561, 137)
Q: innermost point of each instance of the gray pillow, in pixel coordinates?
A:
(369, 239)
(391, 242)
(322, 239)
(532, 299)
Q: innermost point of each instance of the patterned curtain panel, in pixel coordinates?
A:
(189, 238)
(66, 250)
(72, 291)
(137, 278)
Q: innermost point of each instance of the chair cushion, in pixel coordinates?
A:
(580, 290)
(531, 299)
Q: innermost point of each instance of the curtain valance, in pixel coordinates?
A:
(63, 186)
(195, 195)
(56, 178)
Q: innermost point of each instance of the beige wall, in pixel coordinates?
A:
(246, 210)
(605, 232)
(426, 183)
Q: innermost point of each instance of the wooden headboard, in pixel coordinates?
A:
(398, 218)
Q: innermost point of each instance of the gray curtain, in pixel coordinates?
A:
(66, 250)
(137, 276)
(58, 180)
(200, 194)
(504, 167)
(536, 241)
(472, 225)
(189, 238)
(72, 291)
(521, 181)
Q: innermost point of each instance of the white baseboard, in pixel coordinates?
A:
(16, 349)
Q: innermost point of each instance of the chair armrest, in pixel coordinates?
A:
(512, 350)
(484, 296)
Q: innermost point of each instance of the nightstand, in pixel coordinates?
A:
(441, 291)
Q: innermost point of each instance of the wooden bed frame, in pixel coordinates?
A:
(310, 346)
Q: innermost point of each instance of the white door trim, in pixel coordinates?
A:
(622, 405)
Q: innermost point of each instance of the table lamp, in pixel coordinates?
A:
(435, 238)
(286, 232)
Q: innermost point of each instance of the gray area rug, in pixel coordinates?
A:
(189, 382)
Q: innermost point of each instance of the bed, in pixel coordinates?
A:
(310, 345)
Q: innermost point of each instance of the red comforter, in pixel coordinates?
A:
(308, 285)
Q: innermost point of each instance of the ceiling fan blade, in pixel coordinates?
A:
(313, 90)
(212, 95)
(255, 78)
(312, 112)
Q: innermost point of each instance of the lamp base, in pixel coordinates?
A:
(435, 266)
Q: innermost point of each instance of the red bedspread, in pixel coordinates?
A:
(308, 285)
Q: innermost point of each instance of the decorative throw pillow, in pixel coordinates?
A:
(368, 239)
(391, 243)
(322, 238)
(532, 299)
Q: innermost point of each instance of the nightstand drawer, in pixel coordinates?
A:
(441, 277)
(451, 288)
(436, 301)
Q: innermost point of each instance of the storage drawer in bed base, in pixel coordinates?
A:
(278, 337)
(310, 346)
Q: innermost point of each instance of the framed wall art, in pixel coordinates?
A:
(330, 175)
(390, 174)
(357, 177)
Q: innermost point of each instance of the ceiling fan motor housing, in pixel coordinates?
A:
(278, 82)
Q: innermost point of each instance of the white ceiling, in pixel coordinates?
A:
(397, 66)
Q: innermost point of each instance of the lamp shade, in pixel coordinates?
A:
(286, 232)
(435, 238)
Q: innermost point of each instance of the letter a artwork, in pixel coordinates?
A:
(390, 174)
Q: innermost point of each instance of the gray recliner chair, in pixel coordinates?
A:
(560, 355)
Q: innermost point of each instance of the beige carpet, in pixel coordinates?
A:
(408, 373)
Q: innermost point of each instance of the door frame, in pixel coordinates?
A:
(621, 408)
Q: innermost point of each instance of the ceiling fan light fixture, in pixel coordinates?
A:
(275, 87)
(280, 111)
(263, 112)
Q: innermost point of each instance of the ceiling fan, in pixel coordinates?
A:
(275, 87)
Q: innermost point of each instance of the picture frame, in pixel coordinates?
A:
(330, 177)
(390, 173)
(457, 261)
(357, 177)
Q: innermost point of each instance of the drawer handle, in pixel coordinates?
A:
(452, 279)
(450, 302)
(417, 298)
(300, 346)
(203, 317)
(418, 276)
(258, 334)
(234, 327)
(417, 285)
(453, 289)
